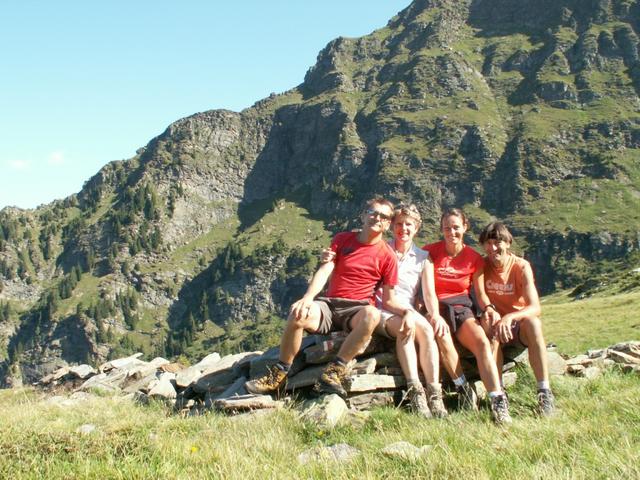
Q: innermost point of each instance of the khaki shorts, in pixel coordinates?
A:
(336, 313)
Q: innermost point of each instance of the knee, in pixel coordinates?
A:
(531, 328)
(296, 323)
(424, 330)
(371, 317)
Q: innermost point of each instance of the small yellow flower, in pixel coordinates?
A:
(194, 449)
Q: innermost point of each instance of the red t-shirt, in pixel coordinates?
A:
(453, 276)
(360, 267)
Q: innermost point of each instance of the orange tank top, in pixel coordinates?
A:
(504, 286)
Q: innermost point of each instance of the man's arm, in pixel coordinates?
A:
(300, 309)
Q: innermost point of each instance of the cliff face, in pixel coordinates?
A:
(527, 111)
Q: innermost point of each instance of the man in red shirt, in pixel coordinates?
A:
(363, 261)
(509, 284)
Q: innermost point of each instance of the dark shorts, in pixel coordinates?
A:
(456, 315)
(336, 313)
(515, 342)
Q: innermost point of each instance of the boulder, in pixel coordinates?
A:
(327, 410)
(367, 401)
(406, 451)
(371, 382)
(243, 403)
(341, 453)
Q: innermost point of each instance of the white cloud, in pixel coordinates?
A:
(19, 164)
(56, 158)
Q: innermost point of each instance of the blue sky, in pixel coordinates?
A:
(83, 83)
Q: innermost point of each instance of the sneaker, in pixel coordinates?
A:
(275, 380)
(418, 401)
(467, 398)
(500, 410)
(434, 400)
(332, 380)
(546, 403)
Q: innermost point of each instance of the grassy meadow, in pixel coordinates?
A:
(595, 434)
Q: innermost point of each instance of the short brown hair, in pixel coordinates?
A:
(454, 212)
(380, 201)
(495, 231)
(410, 211)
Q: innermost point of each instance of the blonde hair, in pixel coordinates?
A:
(410, 211)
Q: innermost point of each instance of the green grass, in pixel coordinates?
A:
(597, 322)
(594, 436)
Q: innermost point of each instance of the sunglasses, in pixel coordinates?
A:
(375, 213)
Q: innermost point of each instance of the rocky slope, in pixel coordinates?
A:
(527, 111)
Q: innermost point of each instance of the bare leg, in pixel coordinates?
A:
(363, 324)
(292, 336)
(405, 348)
(531, 336)
(449, 355)
(472, 336)
(428, 351)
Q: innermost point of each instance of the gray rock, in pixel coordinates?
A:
(367, 365)
(597, 353)
(327, 410)
(578, 360)
(481, 391)
(122, 363)
(235, 389)
(163, 388)
(82, 371)
(406, 451)
(246, 402)
(370, 382)
(341, 452)
(575, 369)
(86, 429)
(621, 357)
(591, 372)
(215, 381)
(367, 401)
(386, 359)
(509, 379)
(557, 364)
(187, 376)
(207, 361)
(305, 378)
(508, 366)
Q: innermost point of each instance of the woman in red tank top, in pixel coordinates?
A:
(456, 268)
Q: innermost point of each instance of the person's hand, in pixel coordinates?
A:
(408, 326)
(440, 327)
(502, 329)
(490, 316)
(300, 309)
(327, 255)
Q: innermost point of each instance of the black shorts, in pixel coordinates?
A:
(336, 313)
(455, 315)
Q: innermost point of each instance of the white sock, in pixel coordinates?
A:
(414, 382)
(544, 385)
(495, 393)
(461, 380)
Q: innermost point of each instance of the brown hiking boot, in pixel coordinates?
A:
(434, 400)
(332, 380)
(274, 381)
(500, 410)
(418, 401)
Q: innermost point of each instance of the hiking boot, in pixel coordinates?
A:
(332, 380)
(500, 410)
(434, 400)
(275, 380)
(418, 401)
(546, 403)
(467, 398)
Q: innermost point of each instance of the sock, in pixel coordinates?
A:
(340, 362)
(544, 385)
(496, 393)
(414, 382)
(283, 366)
(461, 380)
